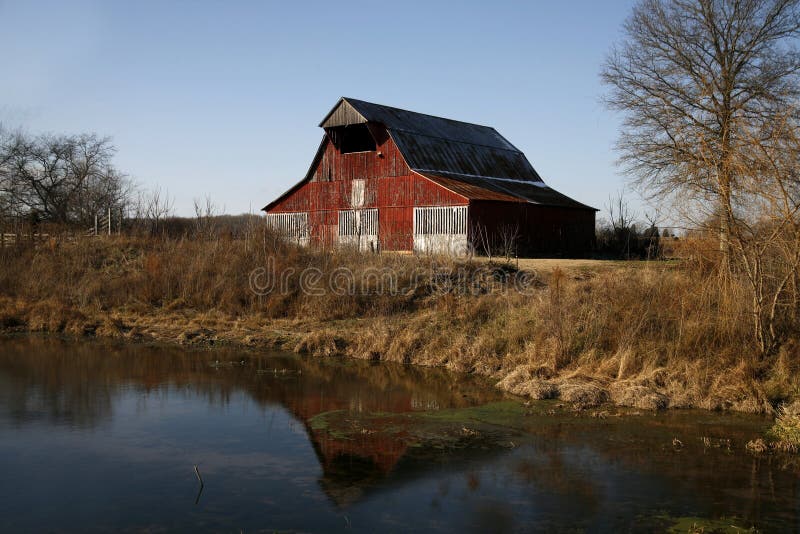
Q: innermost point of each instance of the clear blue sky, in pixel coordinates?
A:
(224, 98)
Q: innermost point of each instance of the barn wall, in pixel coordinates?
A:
(389, 185)
(542, 229)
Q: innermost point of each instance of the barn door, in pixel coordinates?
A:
(441, 229)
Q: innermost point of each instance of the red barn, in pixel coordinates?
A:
(389, 179)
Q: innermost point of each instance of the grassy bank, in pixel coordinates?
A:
(648, 335)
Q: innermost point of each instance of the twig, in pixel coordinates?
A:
(199, 478)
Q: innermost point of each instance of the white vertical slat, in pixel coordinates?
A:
(292, 226)
(440, 220)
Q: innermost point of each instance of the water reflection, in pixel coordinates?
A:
(75, 384)
(103, 436)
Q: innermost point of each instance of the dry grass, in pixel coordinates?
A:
(648, 335)
(786, 430)
(546, 265)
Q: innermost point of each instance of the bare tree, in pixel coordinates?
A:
(6, 204)
(481, 240)
(206, 213)
(651, 238)
(695, 79)
(153, 208)
(619, 213)
(65, 179)
(620, 235)
(621, 219)
(710, 93)
(765, 234)
(508, 236)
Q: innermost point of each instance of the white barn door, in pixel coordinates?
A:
(441, 229)
(359, 228)
(290, 226)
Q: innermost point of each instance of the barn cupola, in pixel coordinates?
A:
(349, 130)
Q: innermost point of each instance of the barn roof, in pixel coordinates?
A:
(469, 159)
(353, 111)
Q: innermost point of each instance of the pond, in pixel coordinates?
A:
(98, 436)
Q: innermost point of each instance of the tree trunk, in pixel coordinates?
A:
(725, 219)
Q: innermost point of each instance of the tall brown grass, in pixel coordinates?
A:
(645, 334)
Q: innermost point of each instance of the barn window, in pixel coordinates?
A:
(358, 222)
(290, 225)
(358, 188)
(353, 138)
(440, 221)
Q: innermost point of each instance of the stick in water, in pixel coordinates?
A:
(199, 478)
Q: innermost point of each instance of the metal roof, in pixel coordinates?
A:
(353, 111)
(473, 160)
(480, 188)
(469, 159)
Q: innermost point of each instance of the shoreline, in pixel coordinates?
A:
(336, 338)
(646, 335)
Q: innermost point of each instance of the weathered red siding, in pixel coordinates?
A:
(390, 186)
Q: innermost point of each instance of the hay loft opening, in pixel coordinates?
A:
(352, 138)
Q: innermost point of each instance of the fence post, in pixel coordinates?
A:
(109, 221)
